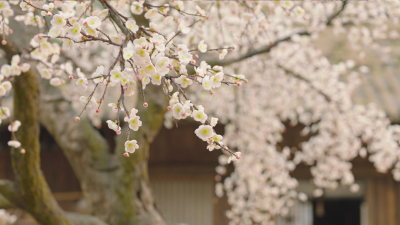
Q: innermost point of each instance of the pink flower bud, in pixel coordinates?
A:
(126, 154)
(171, 67)
(145, 104)
(196, 56)
(212, 92)
(3, 42)
(97, 110)
(271, 42)
(193, 62)
(22, 151)
(138, 76)
(169, 108)
(238, 156)
(239, 83)
(208, 17)
(70, 77)
(125, 87)
(77, 119)
(118, 132)
(144, 46)
(10, 31)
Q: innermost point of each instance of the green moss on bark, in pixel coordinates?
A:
(33, 193)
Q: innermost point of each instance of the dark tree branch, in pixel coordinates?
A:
(268, 48)
(336, 14)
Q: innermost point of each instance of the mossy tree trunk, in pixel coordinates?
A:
(116, 188)
(29, 190)
(32, 192)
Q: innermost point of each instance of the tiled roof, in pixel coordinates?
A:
(382, 88)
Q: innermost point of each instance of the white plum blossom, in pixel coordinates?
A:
(74, 31)
(152, 13)
(204, 132)
(56, 81)
(183, 27)
(136, 8)
(200, 11)
(184, 81)
(14, 144)
(116, 75)
(113, 125)
(3, 91)
(213, 121)
(82, 83)
(6, 70)
(93, 22)
(116, 39)
(68, 44)
(58, 21)
(156, 79)
(207, 83)
(184, 56)
(4, 5)
(13, 127)
(177, 111)
(6, 85)
(98, 75)
(216, 80)
(202, 47)
(298, 11)
(125, 79)
(54, 32)
(134, 123)
(131, 146)
(223, 54)
(128, 53)
(200, 116)
(131, 25)
(89, 101)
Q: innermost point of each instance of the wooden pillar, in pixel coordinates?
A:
(382, 197)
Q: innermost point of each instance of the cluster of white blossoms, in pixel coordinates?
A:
(6, 218)
(290, 82)
(142, 55)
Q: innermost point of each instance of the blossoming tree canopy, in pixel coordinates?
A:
(184, 44)
(142, 55)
